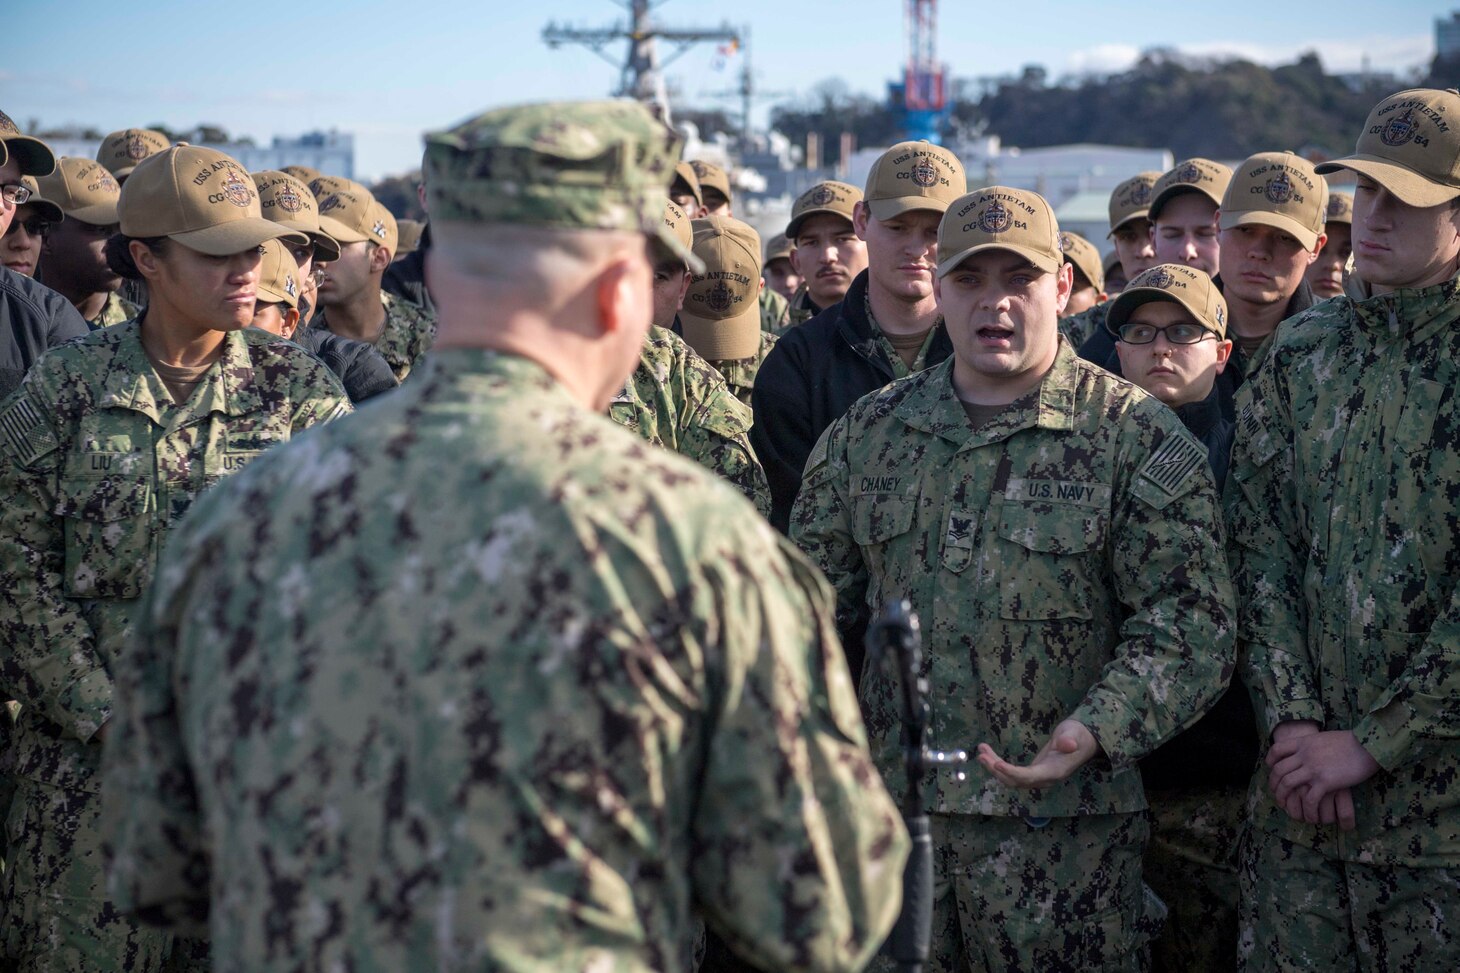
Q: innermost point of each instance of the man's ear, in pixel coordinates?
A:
(380, 258)
(619, 296)
(291, 323)
(860, 216)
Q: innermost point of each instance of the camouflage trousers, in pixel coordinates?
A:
(1302, 910)
(1191, 864)
(54, 916)
(1065, 895)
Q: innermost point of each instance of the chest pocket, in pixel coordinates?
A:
(108, 535)
(880, 523)
(1050, 560)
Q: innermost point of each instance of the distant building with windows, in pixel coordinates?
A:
(1447, 35)
(329, 152)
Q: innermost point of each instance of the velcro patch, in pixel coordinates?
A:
(1173, 463)
(26, 431)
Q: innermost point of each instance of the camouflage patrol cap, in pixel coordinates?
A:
(835, 198)
(47, 208)
(288, 202)
(1131, 200)
(1191, 176)
(1340, 208)
(1411, 146)
(122, 150)
(684, 172)
(199, 197)
(914, 175)
(999, 218)
(278, 274)
(305, 174)
(35, 157)
(84, 190)
(604, 165)
(721, 314)
(711, 176)
(1085, 258)
(1277, 189)
(1193, 289)
(778, 248)
(680, 225)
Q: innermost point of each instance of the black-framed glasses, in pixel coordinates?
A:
(14, 193)
(35, 226)
(1178, 334)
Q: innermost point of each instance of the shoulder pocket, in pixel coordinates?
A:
(1049, 561)
(107, 535)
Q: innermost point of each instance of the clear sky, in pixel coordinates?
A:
(388, 71)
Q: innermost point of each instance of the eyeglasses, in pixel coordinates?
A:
(14, 193)
(35, 226)
(317, 275)
(1177, 334)
(101, 229)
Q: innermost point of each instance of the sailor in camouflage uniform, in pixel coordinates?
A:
(102, 450)
(1343, 501)
(351, 302)
(552, 687)
(1057, 531)
(75, 263)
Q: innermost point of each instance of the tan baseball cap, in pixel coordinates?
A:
(711, 176)
(680, 225)
(721, 314)
(278, 274)
(914, 175)
(199, 197)
(1191, 176)
(777, 248)
(999, 218)
(835, 198)
(35, 156)
(356, 216)
(288, 202)
(84, 190)
(1085, 257)
(322, 186)
(1340, 208)
(686, 172)
(409, 232)
(121, 151)
(1187, 286)
(47, 208)
(1411, 146)
(305, 174)
(1131, 200)
(1277, 189)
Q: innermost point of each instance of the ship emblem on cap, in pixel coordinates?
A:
(289, 286)
(379, 229)
(1399, 130)
(316, 185)
(1157, 277)
(995, 219)
(1335, 205)
(332, 201)
(8, 127)
(1065, 243)
(239, 193)
(1189, 173)
(1140, 195)
(1221, 316)
(288, 200)
(822, 195)
(136, 148)
(719, 298)
(1279, 189)
(107, 184)
(925, 174)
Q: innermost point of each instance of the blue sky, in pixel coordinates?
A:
(265, 68)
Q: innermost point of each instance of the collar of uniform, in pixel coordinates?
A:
(230, 387)
(932, 406)
(134, 384)
(474, 371)
(1410, 311)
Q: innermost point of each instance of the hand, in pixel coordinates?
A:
(1068, 749)
(1311, 773)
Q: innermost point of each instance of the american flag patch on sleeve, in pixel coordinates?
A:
(1173, 463)
(25, 431)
